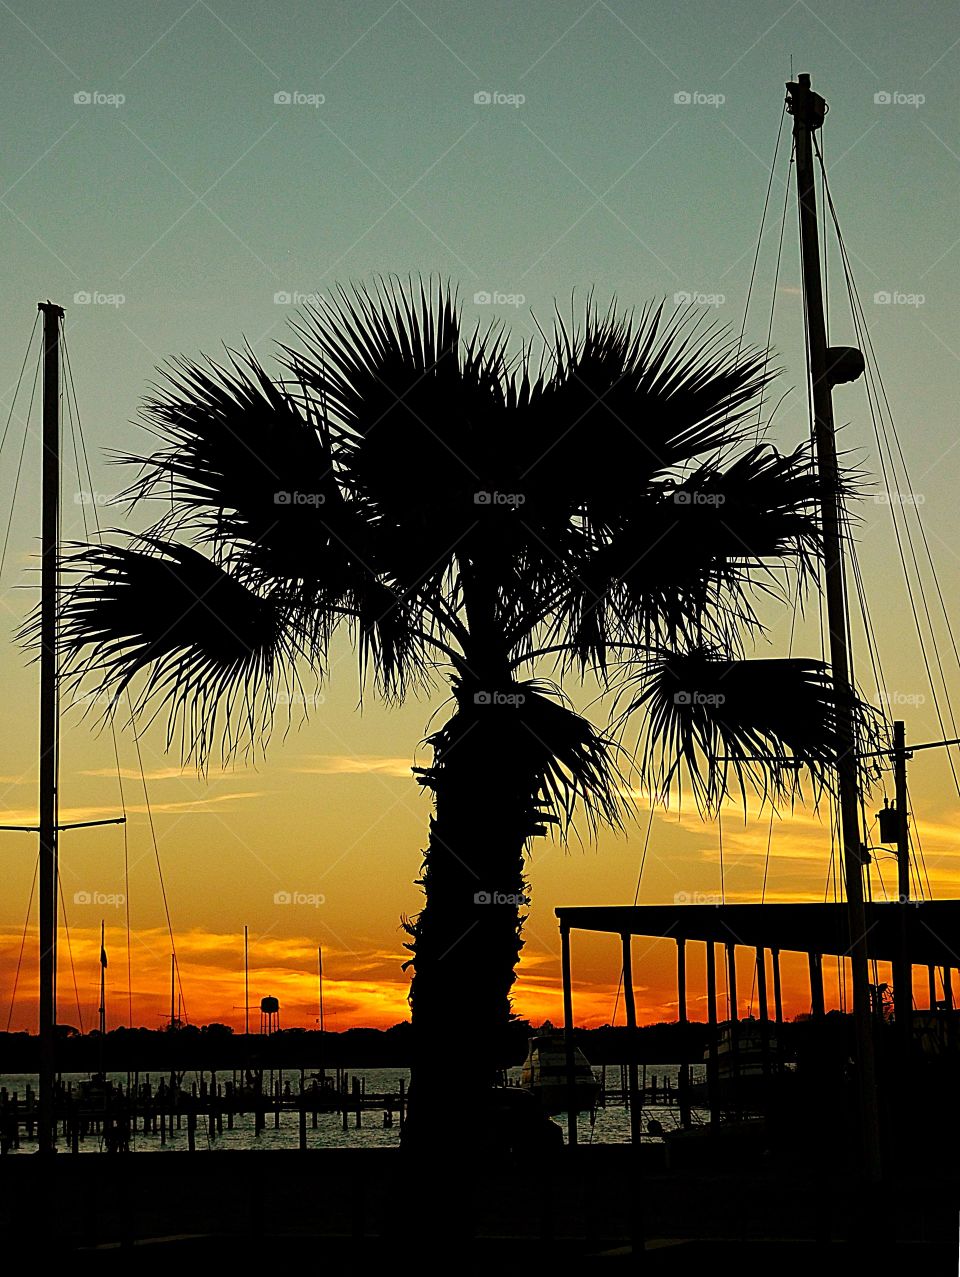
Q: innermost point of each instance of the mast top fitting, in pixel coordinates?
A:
(804, 104)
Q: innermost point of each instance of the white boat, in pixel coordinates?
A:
(544, 1073)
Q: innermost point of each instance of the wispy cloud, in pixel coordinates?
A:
(70, 815)
(355, 765)
(161, 773)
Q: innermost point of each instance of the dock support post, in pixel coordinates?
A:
(712, 1033)
(777, 992)
(568, 1030)
(630, 1007)
(815, 963)
(764, 1012)
(684, 1077)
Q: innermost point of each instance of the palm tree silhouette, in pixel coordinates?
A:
(471, 515)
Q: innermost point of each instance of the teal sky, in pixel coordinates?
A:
(198, 199)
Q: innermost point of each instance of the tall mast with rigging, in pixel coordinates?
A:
(830, 366)
(49, 726)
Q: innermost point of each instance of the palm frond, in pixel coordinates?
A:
(679, 567)
(632, 397)
(212, 653)
(733, 725)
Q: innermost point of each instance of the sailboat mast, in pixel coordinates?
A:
(49, 539)
(103, 984)
(808, 110)
(320, 979)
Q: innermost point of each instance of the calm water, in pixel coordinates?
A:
(612, 1125)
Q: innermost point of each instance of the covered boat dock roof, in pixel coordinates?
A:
(932, 927)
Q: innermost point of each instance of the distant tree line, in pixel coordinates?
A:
(217, 1046)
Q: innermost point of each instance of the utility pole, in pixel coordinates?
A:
(49, 577)
(827, 368)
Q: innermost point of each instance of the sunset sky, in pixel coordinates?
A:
(198, 210)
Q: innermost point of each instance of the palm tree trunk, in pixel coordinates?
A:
(466, 940)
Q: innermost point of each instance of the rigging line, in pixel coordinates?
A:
(896, 436)
(823, 241)
(763, 219)
(873, 371)
(756, 255)
(23, 942)
(73, 407)
(66, 929)
(776, 281)
(16, 390)
(922, 863)
(16, 481)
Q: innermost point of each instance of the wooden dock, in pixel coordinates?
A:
(114, 1113)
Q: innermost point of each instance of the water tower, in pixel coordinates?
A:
(269, 1015)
